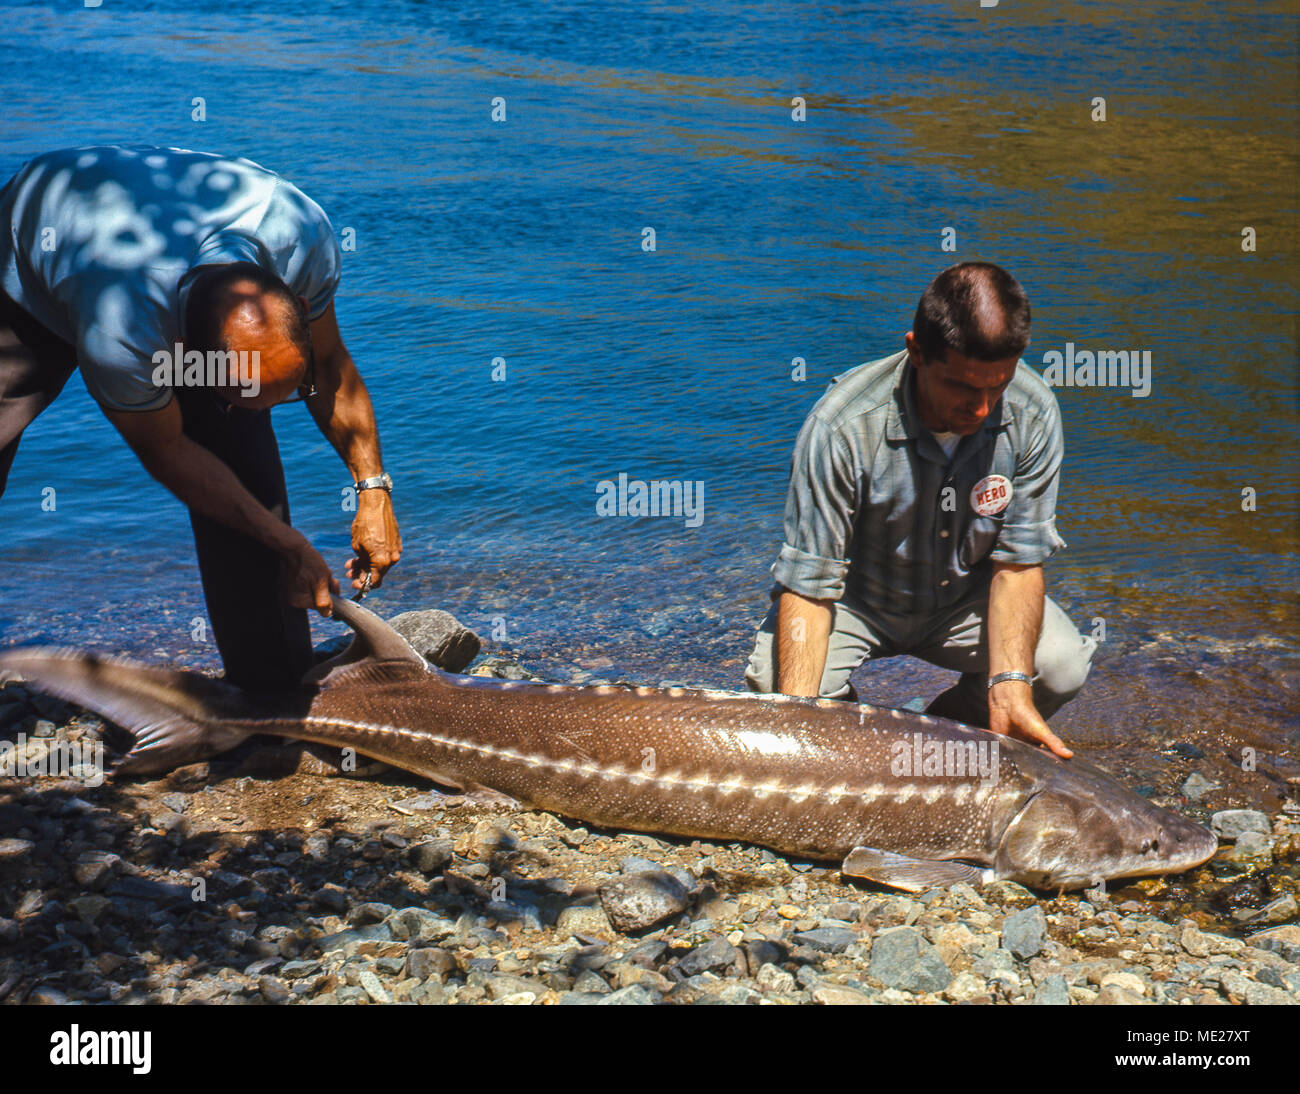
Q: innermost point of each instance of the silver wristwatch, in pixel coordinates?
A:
(375, 482)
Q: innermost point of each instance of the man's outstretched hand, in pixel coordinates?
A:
(1012, 713)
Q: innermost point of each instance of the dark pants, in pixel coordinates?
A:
(265, 644)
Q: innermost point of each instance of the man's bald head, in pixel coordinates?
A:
(241, 308)
(975, 308)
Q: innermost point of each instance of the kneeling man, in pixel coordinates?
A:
(921, 508)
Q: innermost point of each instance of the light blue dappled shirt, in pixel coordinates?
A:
(96, 243)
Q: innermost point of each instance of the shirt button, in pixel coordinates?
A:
(944, 581)
(943, 534)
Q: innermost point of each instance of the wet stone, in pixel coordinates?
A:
(431, 856)
(372, 912)
(1113, 995)
(760, 953)
(1262, 995)
(772, 978)
(584, 919)
(1024, 932)
(438, 637)
(46, 996)
(717, 953)
(637, 902)
(429, 962)
(646, 954)
(11, 850)
(827, 939)
(1251, 847)
(1196, 786)
(634, 996)
(273, 990)
(1283, 941)
(369, 983)
(831, 995)
(902, 958)
(589, 982)
(420, 925)
(331, 898)
(1229, 824)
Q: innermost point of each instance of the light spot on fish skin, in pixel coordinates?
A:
(933, 794)
(962, 793)
(904, 793)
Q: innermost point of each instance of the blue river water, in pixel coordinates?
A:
(522, 345)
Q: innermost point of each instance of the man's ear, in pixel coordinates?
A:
(913, 350)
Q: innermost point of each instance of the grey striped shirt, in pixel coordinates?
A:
(876, 509)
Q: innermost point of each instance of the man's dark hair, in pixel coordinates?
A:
(975, 308)
(212, 295)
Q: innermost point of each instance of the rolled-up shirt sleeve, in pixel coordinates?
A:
(819, 512)
(1028, 536)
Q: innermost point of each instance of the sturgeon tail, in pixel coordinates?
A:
(175, 717)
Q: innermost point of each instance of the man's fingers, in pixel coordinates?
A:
(1041, 733)
(1057, 745)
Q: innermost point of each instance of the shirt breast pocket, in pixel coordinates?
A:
(980, 539)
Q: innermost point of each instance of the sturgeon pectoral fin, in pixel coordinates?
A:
(912, 875)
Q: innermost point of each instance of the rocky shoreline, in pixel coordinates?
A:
(263, 877)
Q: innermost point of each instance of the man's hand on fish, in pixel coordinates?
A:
(308, 579)
(1012, 712)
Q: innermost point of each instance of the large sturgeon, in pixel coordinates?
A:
(808, 777)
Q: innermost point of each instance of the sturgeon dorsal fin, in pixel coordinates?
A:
(373, 638)
(912, 875)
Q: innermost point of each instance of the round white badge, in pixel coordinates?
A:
(991, 495)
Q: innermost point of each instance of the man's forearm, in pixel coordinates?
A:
(1015, 618)
(803, 629)
(206, 485)
(345, 416)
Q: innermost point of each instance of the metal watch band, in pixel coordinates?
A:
(1001, 676)
(375, 482)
